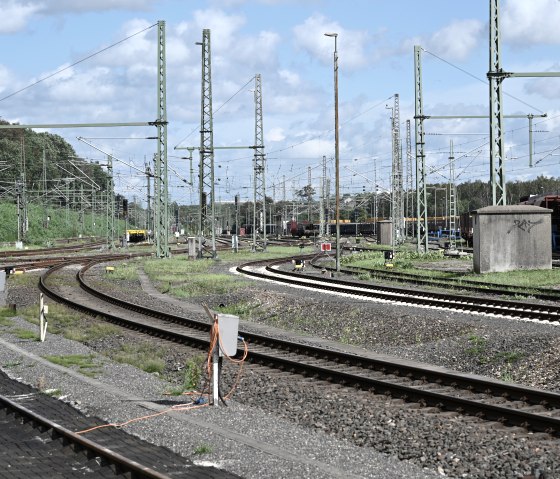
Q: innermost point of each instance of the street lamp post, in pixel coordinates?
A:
(336, 153)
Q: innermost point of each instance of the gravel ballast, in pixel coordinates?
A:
(339, 433)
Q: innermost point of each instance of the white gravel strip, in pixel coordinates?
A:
(243, 440)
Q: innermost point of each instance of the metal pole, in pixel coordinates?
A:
(336, 152)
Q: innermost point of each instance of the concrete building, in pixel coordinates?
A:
(507, 238)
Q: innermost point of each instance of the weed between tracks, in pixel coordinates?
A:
(83, 362)
(70, 324)
(145, 356)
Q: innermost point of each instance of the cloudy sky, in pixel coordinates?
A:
(65, 61)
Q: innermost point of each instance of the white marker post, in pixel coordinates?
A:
(44, 310)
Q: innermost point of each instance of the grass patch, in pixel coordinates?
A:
(408, 262)
(243, 309)
(201, 284)
(478, 345)
(84, 363)
(521, 278)
(25, 334)
(145, 356)
(91, 332)
(25, 279)
(70, 324)
(12, 364)
(6, 322)
(193, 373)
(124, 271)
(203, 449)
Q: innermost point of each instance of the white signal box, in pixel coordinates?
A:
(228, 325)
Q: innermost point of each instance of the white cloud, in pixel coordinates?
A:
(16, 15)
(290, 77)
(351, 44)
(454, 41)
(526, 23)
(57, 6)
(275, 134)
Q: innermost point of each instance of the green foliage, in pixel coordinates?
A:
(478, 345)
(61, 225)
(26, 334)
(201, 285)
(203, 449)
(145, 356)
(243, 309)
(193, 372)
(83, 362)
(70, 324)
(124, 271)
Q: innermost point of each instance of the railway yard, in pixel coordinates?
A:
(350, 380)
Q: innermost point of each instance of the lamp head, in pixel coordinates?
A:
(331, 35)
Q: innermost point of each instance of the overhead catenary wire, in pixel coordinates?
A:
(76, 63)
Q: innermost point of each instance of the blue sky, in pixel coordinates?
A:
(283, 41)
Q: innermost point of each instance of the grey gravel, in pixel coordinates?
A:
(336, 429)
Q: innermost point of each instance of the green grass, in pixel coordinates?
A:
(124, 271)
(26, 334)
(193, 373)
(70, 324)
(84, 363)
(203, 449)
(408, 262)
(520, 278)
(11, 364)
(145, 356)
(5, 315)
(243, 309)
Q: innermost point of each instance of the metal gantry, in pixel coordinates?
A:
(206, 223)
(160, 173)
(259, 168)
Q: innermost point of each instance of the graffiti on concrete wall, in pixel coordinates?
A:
(524, 225)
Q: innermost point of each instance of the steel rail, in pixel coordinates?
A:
(453, 283)
(507, 308)
(122, 464)
(305, 363)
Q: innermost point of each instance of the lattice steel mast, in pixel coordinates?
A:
(452, 200)
(322, 219)
(160, 173)
(397, 171)
(409, 177)
(421, 210)
(259, 166)
(495, 77)
(206, 221)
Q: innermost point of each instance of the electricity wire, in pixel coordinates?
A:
(76, 63)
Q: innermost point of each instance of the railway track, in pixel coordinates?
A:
(57, 440)
(510, 404)
(549, 313)
(452, 283)
(48, 251)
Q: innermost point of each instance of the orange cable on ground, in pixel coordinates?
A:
(178, 407)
